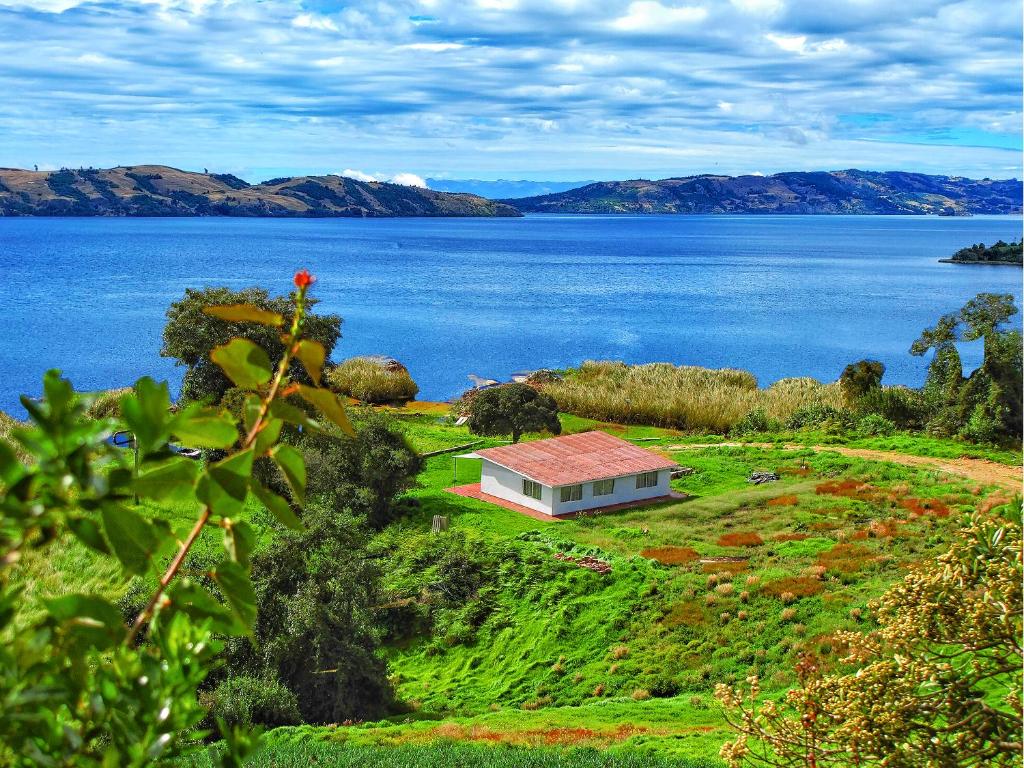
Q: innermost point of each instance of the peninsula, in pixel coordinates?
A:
(157, 190)
(832, 192)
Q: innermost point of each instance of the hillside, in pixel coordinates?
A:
(834, 192)
(156, 190)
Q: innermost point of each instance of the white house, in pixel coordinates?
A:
(569, 474)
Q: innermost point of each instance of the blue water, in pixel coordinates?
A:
(778, 295)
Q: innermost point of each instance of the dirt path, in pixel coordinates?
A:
(980, 470)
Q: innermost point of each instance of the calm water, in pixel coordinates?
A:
(780, 296)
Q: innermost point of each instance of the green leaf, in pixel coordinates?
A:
(94, 621)
(239, 541)
(172, 479)
(312, 354)
(246, 364)
(287, 412)
(328, 404)
(146, 412)
(293, 467)
(234, 583)
(267, 436)
(205, 428)
(278, 507)
(224, 485)
(194, 601)
(88, 531)
(244, 313)
(131, 537)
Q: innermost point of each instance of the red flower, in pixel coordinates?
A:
(303, 279)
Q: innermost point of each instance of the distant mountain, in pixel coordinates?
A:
(852, 191)
(503, 188)
(156, 190)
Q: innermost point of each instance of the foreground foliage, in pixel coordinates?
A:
(80, 687)
(938, 684)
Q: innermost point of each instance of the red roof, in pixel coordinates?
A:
(576, 459)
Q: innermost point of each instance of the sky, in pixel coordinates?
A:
(513, 89)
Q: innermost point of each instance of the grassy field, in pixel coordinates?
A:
(543, 663)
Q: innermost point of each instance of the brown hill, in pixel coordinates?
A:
(157, 190)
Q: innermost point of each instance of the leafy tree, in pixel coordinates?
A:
(191, 333)
(938, 684)
(316, 631)
(365, 474)
(81, 687)
(859, 378)
(513, 409)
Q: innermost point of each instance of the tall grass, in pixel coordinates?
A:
(684, 397)
(370, 381)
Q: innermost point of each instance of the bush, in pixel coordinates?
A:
(372, 381)
(875, 425)
(859, 378)
(756, 421)
(512, 409)
(820, 416)
(107, 404)
(246, 701)
(905, 408)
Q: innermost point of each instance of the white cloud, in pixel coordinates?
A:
(405, 179)
(350, 173)
(313, 21)
(798, 44)
(433, 47)
(652, 16)
(409, 180)
(766, 7)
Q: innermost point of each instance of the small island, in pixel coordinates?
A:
(999, 253)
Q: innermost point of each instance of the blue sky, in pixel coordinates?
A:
(526, 89)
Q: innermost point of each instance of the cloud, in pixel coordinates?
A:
(652, 16)
(403, 178)
(575, 89)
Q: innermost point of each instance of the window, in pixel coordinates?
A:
(531, 489)
(604, 487)
(647, 480)
(572, 493)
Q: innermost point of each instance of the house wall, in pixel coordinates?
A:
(625, 492)
(506, 484)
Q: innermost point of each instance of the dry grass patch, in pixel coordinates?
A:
(670, 555)
(789, 500)
(850, 489)
(730, 568)
(740, 539)
(797, 586)
(846, 558)
(688, 614)
(923, 507)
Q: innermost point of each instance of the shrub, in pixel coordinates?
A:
(755, 422)
(372, 381)
(875, 425)
(787, 598)
(820, 416)
(107, 404)
(741, 615)
(640, 694)
(904, 407)
(744, 596)
(724, 589)
(247, 701)
(859, 378)
(788, 614)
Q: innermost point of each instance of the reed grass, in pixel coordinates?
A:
(371, 382)
(683, 397)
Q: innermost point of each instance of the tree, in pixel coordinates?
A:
(857, 379)
(938, 684)
(365, 474)
(191, 334)
(513, 409)
(317, 632)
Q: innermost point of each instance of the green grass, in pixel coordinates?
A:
(309, 748)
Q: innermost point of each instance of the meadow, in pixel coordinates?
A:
(504, 655)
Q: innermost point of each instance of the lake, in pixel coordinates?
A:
(778, 295)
